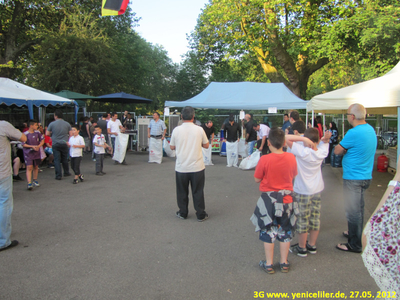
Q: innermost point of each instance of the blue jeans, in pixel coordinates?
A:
(60, 152)
(251, 146)
(6, 208)
(354, 207)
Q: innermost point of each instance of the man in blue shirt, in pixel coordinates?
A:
(286, 123)
(358, 148)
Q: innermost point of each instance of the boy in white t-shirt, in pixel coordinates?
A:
(76, 143)
(100, 145)
(308, 186)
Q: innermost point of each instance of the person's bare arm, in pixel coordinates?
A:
(48, 133)
(172, 147)
(23, 138)
(205, 146)
(339, 150)
(257, 180)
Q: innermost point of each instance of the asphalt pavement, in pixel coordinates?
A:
(117, 237)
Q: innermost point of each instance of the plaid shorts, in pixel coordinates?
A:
(310, 212)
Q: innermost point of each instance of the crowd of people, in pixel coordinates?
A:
(289, 173)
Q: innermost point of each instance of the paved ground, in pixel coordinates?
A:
(117, 237)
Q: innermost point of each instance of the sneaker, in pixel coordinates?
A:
(268, 269)
(202, 220)
(311, 249)
(30, 186)
(99, 174)
(75, 181)
(17, 177)
(104, 173)
(116, 163)
(124, 163)
(94, 159)
(13, 244)
(35, 183)
(67, 174)
(50, 166)
(180, 216)
(295, 249)
(81, 177)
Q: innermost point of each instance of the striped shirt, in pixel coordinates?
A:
(157, 128)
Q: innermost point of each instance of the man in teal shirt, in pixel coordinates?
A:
(358, 148)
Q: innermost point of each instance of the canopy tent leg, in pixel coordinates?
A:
(312, 118)
(398, 130)
(342, 126)
(306, 119)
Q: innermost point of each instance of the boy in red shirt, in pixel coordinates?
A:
(274, 215)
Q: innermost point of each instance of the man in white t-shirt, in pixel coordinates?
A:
(308, 186)
(114, 127)
(262, 132)
(188, 140)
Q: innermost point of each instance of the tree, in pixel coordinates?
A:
(283, 35)
(22, 24)
(79, 57)
(370, 38)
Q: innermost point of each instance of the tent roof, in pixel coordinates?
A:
(379, 96)
(243, 95)
(74, 95)
(15, 93)
(123, 98)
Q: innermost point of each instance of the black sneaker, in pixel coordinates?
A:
(180, 216)
(104, 173)
(75, 181)
(295, 249)
(99, 174)
(311, 249)
(202, 220)
(17, 177)
(81, 177)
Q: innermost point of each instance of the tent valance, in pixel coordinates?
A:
(15, 93)
(243, 95)
(379, 96)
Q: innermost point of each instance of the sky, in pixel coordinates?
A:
(166, 23)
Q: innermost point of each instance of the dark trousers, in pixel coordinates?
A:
(196, 181)
(99, 162)
(265, 149)
(76, 165)
(60, 152)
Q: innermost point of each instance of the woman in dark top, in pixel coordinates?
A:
(333, 141)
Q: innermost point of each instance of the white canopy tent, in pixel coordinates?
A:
(379, 96)
(243, 95)
(15, 93)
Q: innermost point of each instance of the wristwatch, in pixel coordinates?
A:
(393, 183)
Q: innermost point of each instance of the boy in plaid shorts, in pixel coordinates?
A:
(308, 185)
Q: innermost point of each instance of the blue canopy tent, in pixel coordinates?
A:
(243, 95)
(15, 93)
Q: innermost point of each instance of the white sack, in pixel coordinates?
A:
(232, 154)
(155, 150)
(167, 149)
(121, 142)
(250, 162)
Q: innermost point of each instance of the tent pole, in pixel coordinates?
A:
(398, 131)
(323, 123)
(342, 126)
(306, 119)
(312, 118)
